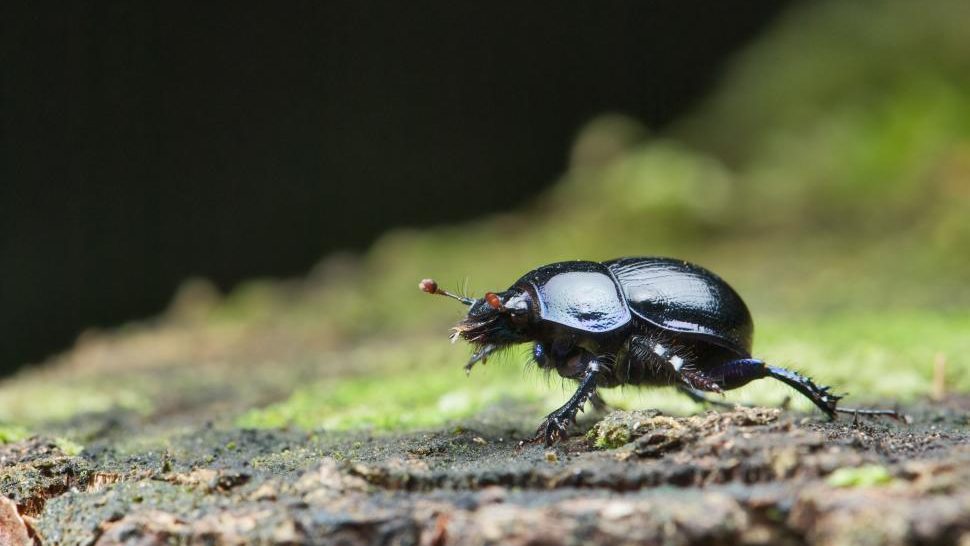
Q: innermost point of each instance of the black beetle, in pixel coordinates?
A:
(630, 321)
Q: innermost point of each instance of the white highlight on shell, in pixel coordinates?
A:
(676, 362)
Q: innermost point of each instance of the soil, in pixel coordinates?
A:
(744, 476)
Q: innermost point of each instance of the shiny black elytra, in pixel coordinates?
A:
(630, 321)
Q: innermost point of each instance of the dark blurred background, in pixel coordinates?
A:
(144, 143)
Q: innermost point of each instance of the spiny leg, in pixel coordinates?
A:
(739, 372)
(557, 422)
(736, 373)
(819, 395)
(694, 383)
(699, 381)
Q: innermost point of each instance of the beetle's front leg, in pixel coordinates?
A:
(557, 422)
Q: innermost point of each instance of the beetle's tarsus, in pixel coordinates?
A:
(856, 412)
(480, 355)
(550, 429)
(554, 428)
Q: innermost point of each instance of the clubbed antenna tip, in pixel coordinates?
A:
(431, 287)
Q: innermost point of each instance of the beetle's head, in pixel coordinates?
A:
(494, 321)
(501, 318)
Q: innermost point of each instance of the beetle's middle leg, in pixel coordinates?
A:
(659, 359)
(557, 422)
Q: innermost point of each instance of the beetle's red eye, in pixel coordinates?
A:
(493, 301)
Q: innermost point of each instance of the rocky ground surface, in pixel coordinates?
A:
(744, 476)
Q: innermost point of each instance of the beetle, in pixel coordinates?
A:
(629, 321)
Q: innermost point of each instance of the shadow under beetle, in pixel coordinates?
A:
(630, 321)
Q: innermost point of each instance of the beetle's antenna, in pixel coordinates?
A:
(431, 287)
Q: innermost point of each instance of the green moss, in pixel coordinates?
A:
(609, 437)
(825, 60)
(69, 448)
(70, 397)
(12, 433)
(421, 396)
(862, 476)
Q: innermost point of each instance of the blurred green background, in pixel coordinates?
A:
(827, 179)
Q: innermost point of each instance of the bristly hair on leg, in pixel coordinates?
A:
(524, 355)
(607, 363)
(532, 366)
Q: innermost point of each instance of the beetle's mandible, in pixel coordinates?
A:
(629, 321)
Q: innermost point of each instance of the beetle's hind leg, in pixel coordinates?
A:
(740, 372)
(819, 395)
(736, 373)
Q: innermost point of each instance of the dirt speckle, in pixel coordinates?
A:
(35, 470)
